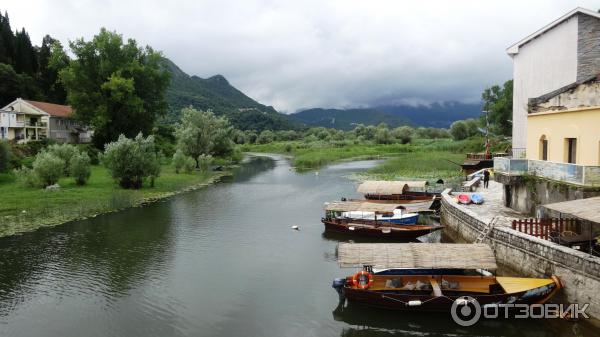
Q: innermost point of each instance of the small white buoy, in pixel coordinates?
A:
(317, 173)
(351, 228)
(296, 228)
(23, 211)
(414, 303)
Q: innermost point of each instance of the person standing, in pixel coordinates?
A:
(486, 178)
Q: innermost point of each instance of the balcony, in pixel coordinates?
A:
(564, 172)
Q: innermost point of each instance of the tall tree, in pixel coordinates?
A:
(13, 85)
(116, 87)
(25, 54)
(52, 59)
(202, 133)
(498, 102)
(7, 51)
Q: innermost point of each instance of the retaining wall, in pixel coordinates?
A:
(530, 256)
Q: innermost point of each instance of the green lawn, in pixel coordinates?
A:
(24, 209)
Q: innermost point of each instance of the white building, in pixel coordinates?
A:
(23, 120)
(563, 52)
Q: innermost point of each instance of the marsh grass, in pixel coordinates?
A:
(24, 209)
(424, 158)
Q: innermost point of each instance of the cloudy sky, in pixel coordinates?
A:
(316, 53)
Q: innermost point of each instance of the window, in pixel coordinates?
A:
(543, 148)
(571, 150)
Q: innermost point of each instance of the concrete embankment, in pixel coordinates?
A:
(529, 256)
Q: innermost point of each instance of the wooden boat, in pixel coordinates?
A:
(464, 199)
(397, 191)
(437, 289)
(381, 221)
(477, 198)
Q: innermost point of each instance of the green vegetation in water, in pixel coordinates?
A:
(25, 209)
(424, 158)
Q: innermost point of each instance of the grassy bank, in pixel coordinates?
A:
(424, 158)
(25, 209)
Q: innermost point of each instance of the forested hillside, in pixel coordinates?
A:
(222, 98)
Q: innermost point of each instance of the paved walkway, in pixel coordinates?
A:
(493, 204)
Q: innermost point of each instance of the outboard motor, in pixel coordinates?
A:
(338, 285)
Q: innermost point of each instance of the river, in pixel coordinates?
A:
(221, 261)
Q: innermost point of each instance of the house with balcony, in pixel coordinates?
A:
(25, 120)
(556, 123)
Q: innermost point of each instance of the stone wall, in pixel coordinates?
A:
(531, 256)
(588, 46)
(525, 193)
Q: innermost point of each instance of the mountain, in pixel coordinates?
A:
(439, 115)
(347, 119)
(215, 93)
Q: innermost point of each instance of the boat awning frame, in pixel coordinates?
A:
(361, 206)
(384, 187)
(416, 255)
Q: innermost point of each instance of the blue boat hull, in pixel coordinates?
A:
(411, 220)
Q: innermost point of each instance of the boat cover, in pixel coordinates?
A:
(417, 255)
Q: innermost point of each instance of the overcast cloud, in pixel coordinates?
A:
(316, 53)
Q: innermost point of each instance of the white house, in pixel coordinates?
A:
(25, 120)
(561, 53)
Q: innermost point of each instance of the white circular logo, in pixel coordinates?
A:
(465, 311)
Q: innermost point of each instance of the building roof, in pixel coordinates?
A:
(586, 209)
(416, 255)
(55, 110)
(361, 206)
(514, 49)
(384, 187)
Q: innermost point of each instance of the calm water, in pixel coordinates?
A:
(221, 261)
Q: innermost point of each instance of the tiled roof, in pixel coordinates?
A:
(52, 109)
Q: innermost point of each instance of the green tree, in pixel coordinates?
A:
(64, 152)
(498, 102)
(459, 130)
(116, 87)
(201, 132)
(265, 137)
(7, 40)
(383, 135)
(178, 161)
(13, 85)
(130, 161)
(80, 167)
(52, 59)
(48, 168)
(404, 134)
(25, 55)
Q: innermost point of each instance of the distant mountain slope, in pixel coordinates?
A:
(347, 119)
(439, 115)
(222, 98)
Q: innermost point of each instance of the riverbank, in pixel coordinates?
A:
(25, 209)
(425, 159)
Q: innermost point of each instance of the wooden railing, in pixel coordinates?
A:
(546, 229)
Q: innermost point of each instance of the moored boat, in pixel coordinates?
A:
(374, 219)
(397, 191)
(433, 277)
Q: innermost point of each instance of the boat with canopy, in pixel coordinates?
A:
(397, 191)
(432, 277)
(374, 219)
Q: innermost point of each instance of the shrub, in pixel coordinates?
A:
(179, 160)
(403, 134)
(383, 136)
(204, 161)
(288, 148)
(64, 152)
(459, 130)
(92, 152)
(48, 168)
(266, 137)
(130, 161)
(5, 156)
(80, 168)
(26, 177)
(189, 165)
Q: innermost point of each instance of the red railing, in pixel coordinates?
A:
(546, 229)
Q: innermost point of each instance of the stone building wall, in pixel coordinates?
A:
(588, 46)
(531, 256)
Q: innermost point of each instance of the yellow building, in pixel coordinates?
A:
(564, 126)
